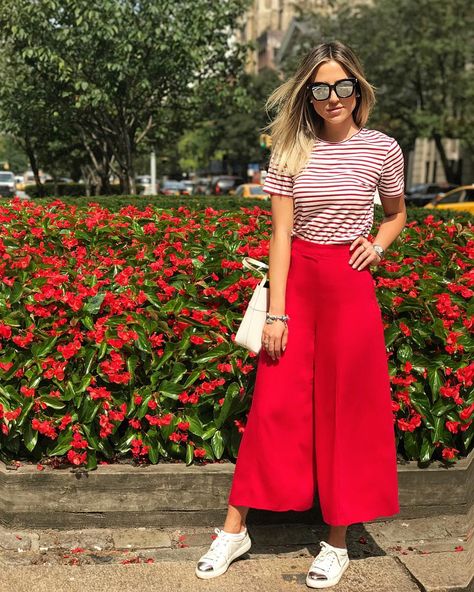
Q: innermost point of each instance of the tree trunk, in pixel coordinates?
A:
(129, 173)
(34, 166)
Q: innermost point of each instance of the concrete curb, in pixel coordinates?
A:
(172, 494)
(430, 554)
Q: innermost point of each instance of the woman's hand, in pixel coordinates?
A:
(364, 254)
(275, 338)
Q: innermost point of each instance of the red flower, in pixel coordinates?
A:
(449, 453)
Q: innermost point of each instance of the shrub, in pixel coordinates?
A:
(117, 332)
(66, 190)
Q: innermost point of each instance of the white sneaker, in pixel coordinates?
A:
(223, 550)
(327, 567)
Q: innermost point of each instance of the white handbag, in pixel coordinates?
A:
(249, 333)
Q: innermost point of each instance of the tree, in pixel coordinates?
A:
(118, 68)
(418, 55)
(233, 125)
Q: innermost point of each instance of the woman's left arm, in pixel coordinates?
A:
(395, 217)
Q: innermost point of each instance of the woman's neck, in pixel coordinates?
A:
(339, 133)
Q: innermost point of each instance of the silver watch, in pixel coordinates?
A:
(379, 250)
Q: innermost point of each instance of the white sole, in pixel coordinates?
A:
(321, 583)
(207, 575)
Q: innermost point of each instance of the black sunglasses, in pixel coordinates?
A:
(344, 88)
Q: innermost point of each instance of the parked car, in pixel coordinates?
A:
(190, 187)
(419, 195)
(145, 182)
(7, 184)
(252, 190)
(226, 184)
(172, 187)
(29, 179)
(203, 186)
(460, 198)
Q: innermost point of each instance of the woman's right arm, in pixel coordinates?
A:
(279, 262)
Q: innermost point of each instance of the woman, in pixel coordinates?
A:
(321, 416)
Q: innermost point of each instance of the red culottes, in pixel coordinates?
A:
(321, 416)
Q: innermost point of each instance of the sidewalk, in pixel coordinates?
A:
(390, 556)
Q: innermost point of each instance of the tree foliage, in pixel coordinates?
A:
(419, 57)
(116, 72)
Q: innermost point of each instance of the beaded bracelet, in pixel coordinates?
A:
(270, 318)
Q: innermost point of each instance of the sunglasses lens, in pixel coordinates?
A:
(344, 88)
(320, 92)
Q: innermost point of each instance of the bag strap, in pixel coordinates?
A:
(254, 264)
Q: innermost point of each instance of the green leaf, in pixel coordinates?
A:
(217, 444)
(132, 362)
(153, 300)
(439, 430)
(221, 350)
(142, 341)
(467, 437)
(439, 330)
(91, 460)
(423, 405)
(94, 303)
(189, 454)
(391, 333)
(27, 406)
(410, 444)
(102, 349)
(229, 280)
(167, 430)
(179, 370)
(195, 425)
(63, 443)
(17, 291)
(232, 391)
(40, 349)
(170, 389)
(442, 406)
(30, 436)
(53, 402)
(427, 448)
(435, 382)
(168, 352)
(195, 374)
(87, 408)
(404, 352)
(209, 432)
(88, 359)
(88, 322)
(91, 436)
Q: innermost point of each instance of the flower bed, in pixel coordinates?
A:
(117, 330)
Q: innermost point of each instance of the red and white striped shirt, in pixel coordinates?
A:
(334, 193)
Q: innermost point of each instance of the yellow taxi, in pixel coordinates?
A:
(460, 198)
(252, 190)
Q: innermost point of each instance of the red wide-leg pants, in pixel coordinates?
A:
(321, 417)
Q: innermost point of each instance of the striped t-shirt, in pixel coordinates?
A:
(334, 193)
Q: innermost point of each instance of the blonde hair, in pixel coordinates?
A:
(296, 124)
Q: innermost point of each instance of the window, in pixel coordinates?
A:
(454, 197)
(257, 191)
(469, 195)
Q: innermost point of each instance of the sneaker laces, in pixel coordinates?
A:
(217, 548)
(323, 561)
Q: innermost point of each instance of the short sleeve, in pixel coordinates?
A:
(277, 183)
(392, 182)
